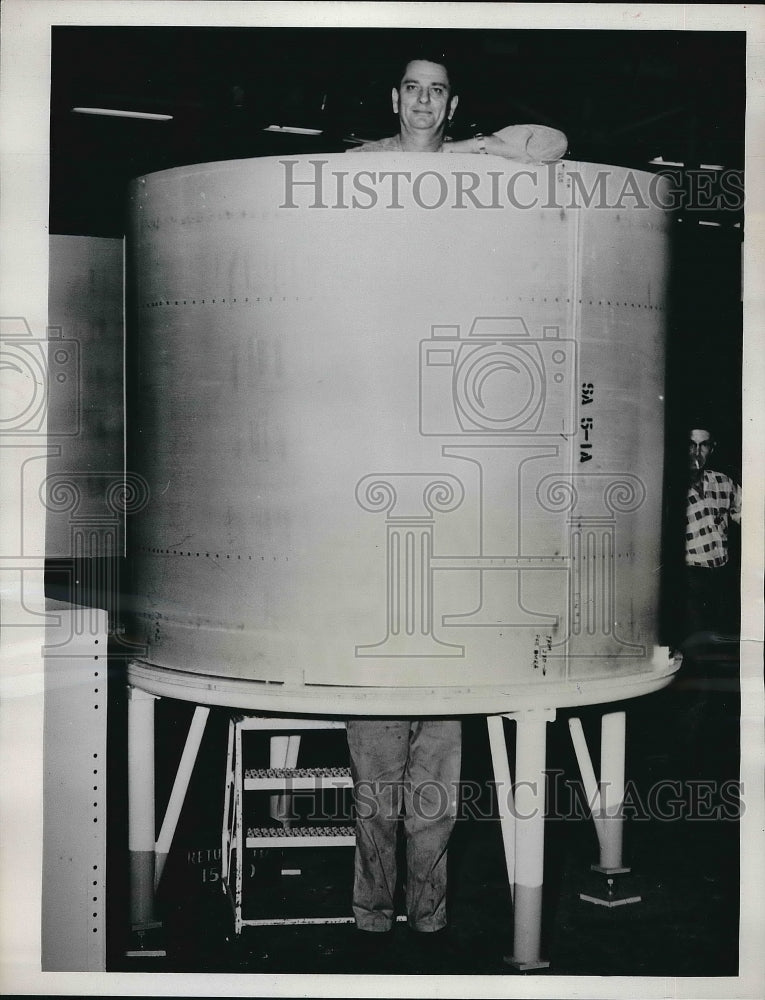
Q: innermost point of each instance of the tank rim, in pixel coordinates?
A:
(344, 701)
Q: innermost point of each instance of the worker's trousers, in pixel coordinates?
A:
(414, 764)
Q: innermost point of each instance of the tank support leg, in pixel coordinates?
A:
(504, 790)
(180, 787)
(523, 827)
(612, 752)
(606, 799)
(283, 753)
(141, 829)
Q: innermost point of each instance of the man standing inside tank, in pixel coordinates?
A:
(425, 103)
(415, 763)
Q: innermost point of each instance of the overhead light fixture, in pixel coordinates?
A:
(115, 113)
(294, 129)
(297, 108)
(666, 163)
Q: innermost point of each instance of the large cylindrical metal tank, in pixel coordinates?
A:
(401, 417)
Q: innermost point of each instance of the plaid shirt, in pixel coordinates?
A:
(710, 503)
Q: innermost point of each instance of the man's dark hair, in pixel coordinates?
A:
(702, 424)
(434, 55)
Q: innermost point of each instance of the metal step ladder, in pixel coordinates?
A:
(281, 779)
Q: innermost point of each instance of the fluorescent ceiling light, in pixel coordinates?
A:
(667, 163)
(294, 129)
(114, 113)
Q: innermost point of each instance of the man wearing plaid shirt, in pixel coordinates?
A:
(713, 499)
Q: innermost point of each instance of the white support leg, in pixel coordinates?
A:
(283, 753)
(591, 789)
(504, 785)
(530, 751)
(180, 787)
(606, 799)
(141, 828)
(612, 755)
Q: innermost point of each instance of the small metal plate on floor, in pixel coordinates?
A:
(147, 943)
(610, 900)
(525, 966)
(610, 889)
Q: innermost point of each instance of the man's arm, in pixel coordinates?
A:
(735, 504)
(524, 143)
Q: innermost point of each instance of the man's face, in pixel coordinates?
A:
(700, 446)
(423, 100)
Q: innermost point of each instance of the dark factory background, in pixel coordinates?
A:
(648, 100)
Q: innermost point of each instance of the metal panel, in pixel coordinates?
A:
(361, 422)
(74, 790)
(83, 491)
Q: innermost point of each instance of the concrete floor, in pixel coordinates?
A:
(682, 767)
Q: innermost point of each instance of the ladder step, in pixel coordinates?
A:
(301, 836)
(295, 779)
